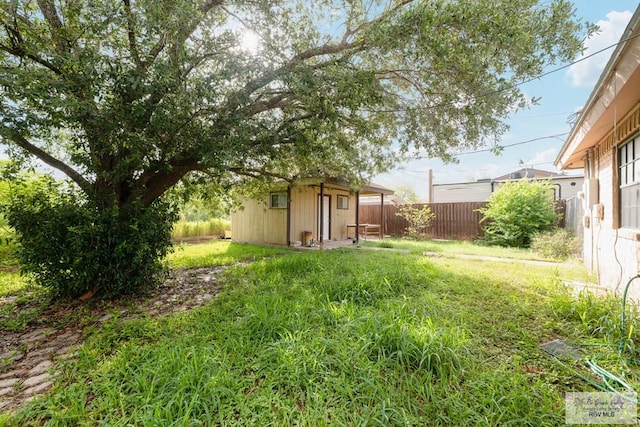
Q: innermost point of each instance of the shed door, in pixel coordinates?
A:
(325, 217)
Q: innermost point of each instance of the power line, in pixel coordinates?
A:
(484, 150)
(536, 116)
(457, 171)
(555, 70)
(578, 60)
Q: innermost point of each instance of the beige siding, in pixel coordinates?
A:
(259, 224)
(303, 212)
(305, 206)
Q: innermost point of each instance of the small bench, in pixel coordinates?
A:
(364, 231)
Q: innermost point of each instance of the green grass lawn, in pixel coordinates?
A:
(342, 337)
(453, 247)
(219, 252)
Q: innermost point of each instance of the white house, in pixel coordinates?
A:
(564, 186)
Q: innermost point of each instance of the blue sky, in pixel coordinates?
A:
(562, 93)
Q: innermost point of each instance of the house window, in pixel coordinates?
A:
(629, 177)
(278, 200)
(343, 202)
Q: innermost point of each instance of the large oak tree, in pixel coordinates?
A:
(128, 97)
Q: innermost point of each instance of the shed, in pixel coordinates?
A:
(311, 211)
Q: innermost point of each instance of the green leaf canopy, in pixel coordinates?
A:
(128, 97)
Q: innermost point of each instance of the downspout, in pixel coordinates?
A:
(357, 217)
(289, 215)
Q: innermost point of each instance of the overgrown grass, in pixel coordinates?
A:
(219, 252)
(11, 282)
(341, 337)
(213, 253)
(32, 300)
(212, 227)
(453, 247)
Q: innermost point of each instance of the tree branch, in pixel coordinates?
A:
(133, 46)
(257, 173)
(17, 47)
(259, 107)
(179, 36)
(20, 53)
(158, 182)
(23, 143)
(49, 12)
(269, 77)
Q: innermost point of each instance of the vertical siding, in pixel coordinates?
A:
(459, 221)
(304, 208)
(453, 221)
(574, 212)
(259, 224)
(341, 217)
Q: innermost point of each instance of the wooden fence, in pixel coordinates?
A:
(453, 221)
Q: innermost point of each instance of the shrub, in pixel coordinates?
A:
(419, 219)
(71, 247)
(517, 211)
(558, 243)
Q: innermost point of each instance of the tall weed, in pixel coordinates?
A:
(212, 227)
(558, 243)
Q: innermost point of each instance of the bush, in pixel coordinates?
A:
(72, 247)
(517, 211)
(558, 243)
(419, 219)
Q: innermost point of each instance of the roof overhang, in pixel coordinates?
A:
(368, 189)
(615, 95)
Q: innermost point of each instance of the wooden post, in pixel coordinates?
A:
(321, 214)
(381, 233)
(357, 217)
(289, 215)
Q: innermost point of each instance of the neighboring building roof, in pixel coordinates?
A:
(526, 173)
(374, 199)
(516, 175)
(613, 97)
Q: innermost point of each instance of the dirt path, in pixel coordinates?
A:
(28, 358)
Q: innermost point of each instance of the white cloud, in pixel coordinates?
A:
(542, 157)
(586, 73)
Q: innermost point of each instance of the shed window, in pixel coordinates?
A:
(343, 202)
(278, 200)
(629, 177)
